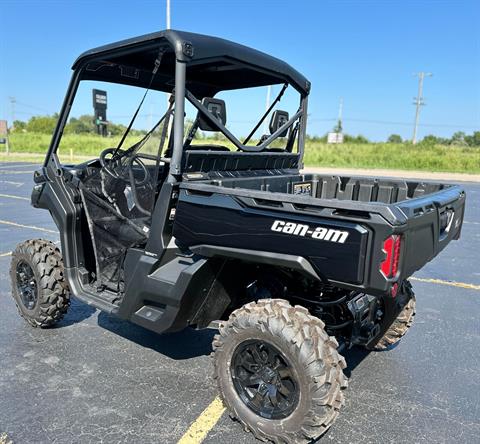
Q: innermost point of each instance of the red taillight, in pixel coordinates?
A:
(391, 247)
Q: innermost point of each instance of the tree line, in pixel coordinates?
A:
(86, 125)
(76, 125)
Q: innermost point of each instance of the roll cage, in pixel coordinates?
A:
(190, 67)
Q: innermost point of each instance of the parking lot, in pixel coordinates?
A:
(94, 378)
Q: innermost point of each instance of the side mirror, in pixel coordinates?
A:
(279, 118)
(217, 108)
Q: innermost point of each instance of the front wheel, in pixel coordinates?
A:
(39, 287)
(278, 371)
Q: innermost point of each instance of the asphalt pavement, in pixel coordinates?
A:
(94, 378)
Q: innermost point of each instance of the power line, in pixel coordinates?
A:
(310, 119)
(390, 122)
(322, 119)
(25, 113)
(25, 105)
(418, 102)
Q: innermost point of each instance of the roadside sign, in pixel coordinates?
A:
(335, 138)
(100, 110)
(3, 128)
(99, 99)
(4, 135)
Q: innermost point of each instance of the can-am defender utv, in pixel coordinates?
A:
(293, 267)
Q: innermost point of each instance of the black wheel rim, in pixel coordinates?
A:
(26, 285)
(264, 379)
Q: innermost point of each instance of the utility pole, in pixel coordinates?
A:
(339, 128)
(418, 101)
(13, 101)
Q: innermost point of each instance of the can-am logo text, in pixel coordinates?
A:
(321, 233)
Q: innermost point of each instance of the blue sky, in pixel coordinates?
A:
(364, 51)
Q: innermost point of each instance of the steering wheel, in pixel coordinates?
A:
(109, 164)
(115, 169)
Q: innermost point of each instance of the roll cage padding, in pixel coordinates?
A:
(208, 161)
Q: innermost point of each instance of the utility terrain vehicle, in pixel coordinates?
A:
(292, 268)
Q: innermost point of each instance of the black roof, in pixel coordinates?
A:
(213, 64)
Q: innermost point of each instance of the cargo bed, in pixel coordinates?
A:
(361, 189)
(427, 215)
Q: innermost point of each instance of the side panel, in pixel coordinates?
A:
(336, 249)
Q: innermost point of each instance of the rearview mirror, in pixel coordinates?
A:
(217, 108)
(279, 118)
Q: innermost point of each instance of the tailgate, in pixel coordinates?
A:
(433, 221)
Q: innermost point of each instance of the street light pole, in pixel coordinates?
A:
(168, 14)
(168, 23)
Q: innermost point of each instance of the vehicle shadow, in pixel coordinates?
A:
(354, 357)
(191, 343)
(77, 312)
(186, 344)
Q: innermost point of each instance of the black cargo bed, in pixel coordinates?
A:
(427, 215)
(361, 189)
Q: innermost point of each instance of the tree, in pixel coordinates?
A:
(317, 139)
(42, 124)
(395, 138)
(361, 139)
(430, 140)
(458, 138)
(474, 139)
(82, 124)
(18, 126)
(355, 139)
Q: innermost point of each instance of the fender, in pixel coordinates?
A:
(262, 257)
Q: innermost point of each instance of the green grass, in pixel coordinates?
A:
(436, 158)
(80, 144)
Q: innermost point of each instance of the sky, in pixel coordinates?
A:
(365, 52)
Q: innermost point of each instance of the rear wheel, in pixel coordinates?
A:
(401, 324)
(279, 372)
(39, 287)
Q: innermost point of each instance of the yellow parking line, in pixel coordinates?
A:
(204, 423)
(31, 227)
(450, 283)
(200, 428)
(11, 196)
